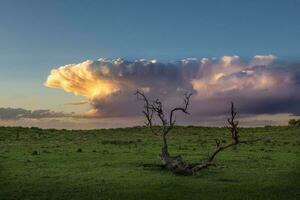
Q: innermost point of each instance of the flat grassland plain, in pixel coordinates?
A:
(117, 164)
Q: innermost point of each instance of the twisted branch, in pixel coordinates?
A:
(233, 127)
(156, 107)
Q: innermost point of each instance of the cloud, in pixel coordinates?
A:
(20, 113)
(260, 85)
(263, 60)
(77, 103)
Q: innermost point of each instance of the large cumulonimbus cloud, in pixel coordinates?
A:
(259, 85)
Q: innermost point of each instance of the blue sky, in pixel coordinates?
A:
(66, 31)
(36, 36)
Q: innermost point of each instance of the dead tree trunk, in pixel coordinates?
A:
(176, 163)
(155, 107)
(164, 150)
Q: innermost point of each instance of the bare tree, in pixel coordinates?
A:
(176, 163)
(156, 107)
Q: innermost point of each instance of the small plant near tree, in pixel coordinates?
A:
(176, 163)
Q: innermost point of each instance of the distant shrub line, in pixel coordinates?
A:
(294, 122)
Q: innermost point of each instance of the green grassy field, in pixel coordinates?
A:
(110, 164)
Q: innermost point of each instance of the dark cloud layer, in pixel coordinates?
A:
(20, 113)
(261, 85)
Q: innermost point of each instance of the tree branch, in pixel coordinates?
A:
(148, 109)
(219, 147)
(187, 97)
(234, 135)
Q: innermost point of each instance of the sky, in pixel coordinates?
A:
(76, 64)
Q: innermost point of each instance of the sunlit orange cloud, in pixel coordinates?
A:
(81, 80)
